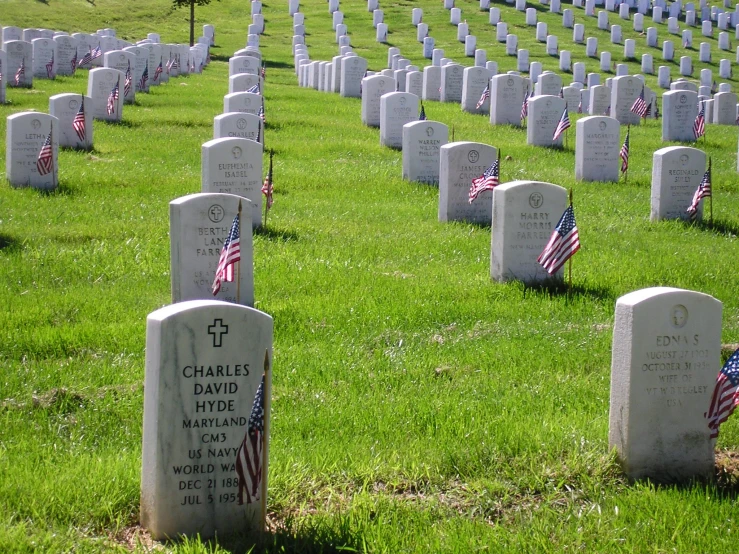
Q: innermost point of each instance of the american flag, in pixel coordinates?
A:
(725, 394)
(97, 52)
(261, 114)
(74, 62)
(254, 89)
(563, 125)
(561, 92)
(113, 98)
(176, 62)
(158, 71)
(170, 61)
(87, 58)
(268, 188)
(485, 95)
(422, 113)
(79, 121)
(525, 106)
(263, 72)
(562, 245)
(50, 67)
(249, 457)
(639, 107)
(487, 181)
(144, 77)
(21, 73)
(45, 160)
(127, 82)
(608, 111)
(624, 154)
(230, 254)
(699, 126)
(703, 191)
(579, 107)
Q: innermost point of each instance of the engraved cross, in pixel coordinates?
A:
(218, 329)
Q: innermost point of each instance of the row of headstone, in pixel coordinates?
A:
(212, 483)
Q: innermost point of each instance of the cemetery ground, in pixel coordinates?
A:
(418, 406)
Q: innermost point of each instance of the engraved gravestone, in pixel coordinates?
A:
(396, 109)
(139, 64)
(245, 102)
(100, 84)
(66, 107)
(125, 62)
(476, 79)
(243, 64)
(600, 100)
(353, 69)
(524, 215)
(198, 226)
(204, 364)
(26, 133)
(451, 82)
(676, 173)
(544, 116)
(238, 124)
(19, 54)
(44, 58)
(372, 89)
(459, 164)
(666, 345)
(624, 91)
(679, 110)
(724, 108)
(414, 83)
(234, 166)
(596, 149)
(506, 98)
(422, 142)
(241, 82)
(66, 55)
(431, 82)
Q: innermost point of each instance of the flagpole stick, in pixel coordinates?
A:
(238, 264)
(710, 198)
(452, 133)
(265, 434)
(569, 262)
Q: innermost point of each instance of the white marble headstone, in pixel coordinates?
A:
(65, 108)
(459, 164)
(26, 133)
(597, 146)
(238, 124)
(204, 363)
(665, 356)
(100, 84)
(373, 88)
(525, 214)
(422, 142)
(679, 110)
(234, 166)
(396, 109)
(676, 173)
(506, 99)
(198, 226)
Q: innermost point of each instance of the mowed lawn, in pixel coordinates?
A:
(418, 406)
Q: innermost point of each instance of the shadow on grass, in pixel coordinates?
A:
(306, 538)
(9, 243)
(122, 123)
(62, 189)
(278, 235)
(720, 226)
(557, 287)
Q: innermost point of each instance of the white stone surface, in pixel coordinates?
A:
(238, 124)
(65, 108)
(372, 89)
(452, 76)
(460, 162)
(198, 226)
(431, 82)
(25, 134)
(204, 363)
(422, 142)
(100, 83)
(353, 69)
(475, 81)
(525, 214)
(624, 92)
(666, 345)
(506, 99)
(544, 116)
(597, 145)
(234, 166)
(396, 109)
(676, 173)
(679, 110)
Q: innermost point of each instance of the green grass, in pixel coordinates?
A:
(417, 405)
